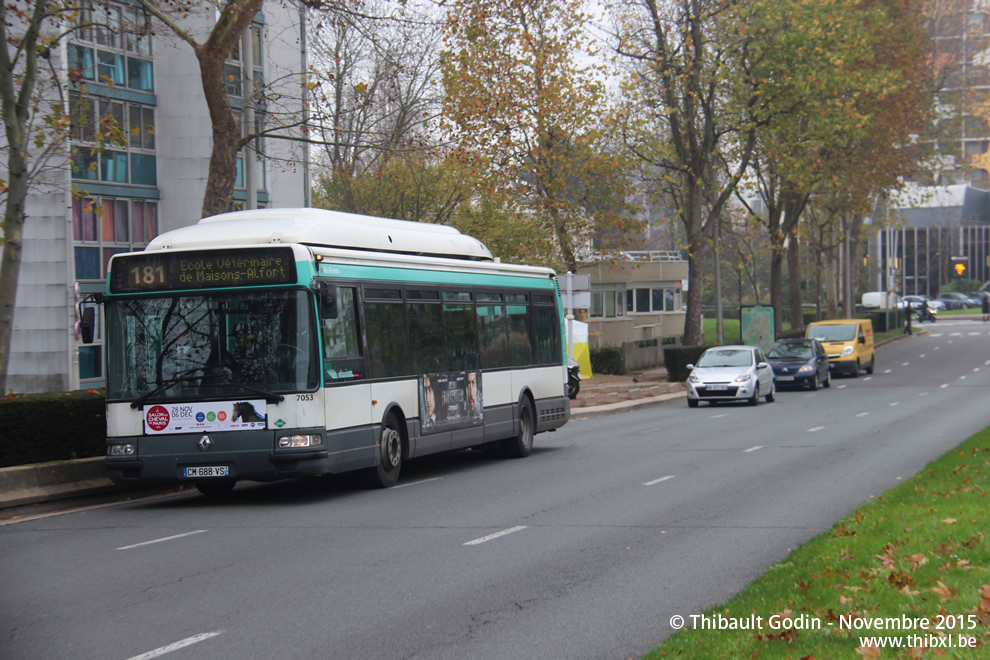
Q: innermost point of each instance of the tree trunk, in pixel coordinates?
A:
(794, 281)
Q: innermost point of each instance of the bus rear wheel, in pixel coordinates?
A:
(386, 473)
(217, 488)
(521, 445)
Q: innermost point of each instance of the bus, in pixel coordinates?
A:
(284, 343)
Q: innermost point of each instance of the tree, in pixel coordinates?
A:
(529, 117)
(680, 123)
(35, 126)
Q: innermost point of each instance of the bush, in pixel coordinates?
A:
(676, 359)
(607, 360)
(38, 428)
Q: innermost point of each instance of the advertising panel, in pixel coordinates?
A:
(209, 416)
(450, 401)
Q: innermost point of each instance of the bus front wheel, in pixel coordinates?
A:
(386, 473)
(521, 445)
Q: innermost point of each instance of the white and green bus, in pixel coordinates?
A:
(269, 344)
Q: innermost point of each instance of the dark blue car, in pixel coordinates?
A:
(799, 363)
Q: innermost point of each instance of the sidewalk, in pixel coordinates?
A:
(606, 395)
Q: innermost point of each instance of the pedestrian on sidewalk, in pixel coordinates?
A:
(907, 319)
(986, 308)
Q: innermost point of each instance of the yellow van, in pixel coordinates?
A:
(848, 342)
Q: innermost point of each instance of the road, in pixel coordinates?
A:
(583, 550)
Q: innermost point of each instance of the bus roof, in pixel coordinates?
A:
(319, 227)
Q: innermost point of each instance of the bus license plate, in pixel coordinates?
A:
(718, 388)
(207, 471)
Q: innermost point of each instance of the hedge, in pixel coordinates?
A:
(38, 428)
(607, 360)
(676, 359)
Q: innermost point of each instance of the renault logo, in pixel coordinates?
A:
(205, 443)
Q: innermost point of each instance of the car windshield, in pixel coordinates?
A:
(725, 357)
(838, 332)
(186, 346)
(791, 350)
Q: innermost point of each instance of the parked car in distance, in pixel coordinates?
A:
(800, 362)
(978, 296)
(882, 300)
(730, 373)
(956, 300)
(917, 301)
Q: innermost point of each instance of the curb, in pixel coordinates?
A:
(625, 406)
(47, 482)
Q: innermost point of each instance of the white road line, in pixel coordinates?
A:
(870, 377)
(973, 334)
(962, 378)
(922, 393)
(751, 449)
(656, 481)
(862, 414)
(717, 416)
(888, 371)
(416, 483)
(904, 364)
(188, 641)
(896, 403)
(922, 355)
(485, 539)
(842, 387)
(815, 428)
(975, 369)
(167, 538)
(987, 362)
(943, 386)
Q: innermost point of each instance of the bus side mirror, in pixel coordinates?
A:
(328, 301)
(87, 324)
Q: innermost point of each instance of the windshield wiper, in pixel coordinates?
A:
(270, 397)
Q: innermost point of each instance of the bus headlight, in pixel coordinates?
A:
(124, 449)
(301, 440)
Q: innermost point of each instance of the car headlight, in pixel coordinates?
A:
(745, 377)
(847, 351)
(806, 368)
(694, 379)
(302, 440)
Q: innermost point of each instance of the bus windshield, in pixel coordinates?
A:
(220, 345)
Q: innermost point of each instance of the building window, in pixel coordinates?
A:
(114, 37)
(608, 304)
(115, 141)
(652, 300)
(104, 227)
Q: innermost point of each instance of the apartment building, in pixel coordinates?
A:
(98, 202)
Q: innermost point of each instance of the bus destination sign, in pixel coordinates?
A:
(201, 269)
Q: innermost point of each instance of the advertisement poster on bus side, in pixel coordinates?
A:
(450, 401)
(160, 419)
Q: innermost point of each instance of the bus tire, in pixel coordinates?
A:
(217, 488)
(521, 445)
(386, 473)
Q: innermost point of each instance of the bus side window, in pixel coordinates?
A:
(342, 359)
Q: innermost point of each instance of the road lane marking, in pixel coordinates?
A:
(161, 540)
(416, 483)
(943, 386)
(975, 369)
(922, 393)
(181, 644)
(815, 429)
(717, 416)
(862, 414)
(896, 403)
(973, 334)
(870, 378)
(922, 355)
(650, 431)
(490, 537)
(888, 371)
(841, 387)
(751, 449)
(656, 481)
(904, 364)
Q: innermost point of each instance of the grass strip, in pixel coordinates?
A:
(910, 569)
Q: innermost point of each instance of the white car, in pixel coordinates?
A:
(919, 300)
(730, 373)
